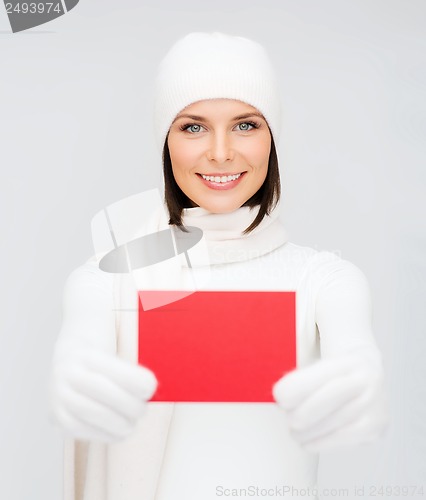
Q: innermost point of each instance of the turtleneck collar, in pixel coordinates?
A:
(223, 236)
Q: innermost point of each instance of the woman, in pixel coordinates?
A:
(217, 118)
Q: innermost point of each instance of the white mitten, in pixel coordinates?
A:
(97, 396)
(336, 401)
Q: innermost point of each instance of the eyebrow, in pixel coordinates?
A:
(202, 119)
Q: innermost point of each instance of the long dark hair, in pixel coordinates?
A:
(267, 196)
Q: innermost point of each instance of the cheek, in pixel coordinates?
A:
(177, 152)
(258, 152)
(182, 156)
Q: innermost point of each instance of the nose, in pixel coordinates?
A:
(220, 148)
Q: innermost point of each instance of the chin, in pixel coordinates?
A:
(218, 208)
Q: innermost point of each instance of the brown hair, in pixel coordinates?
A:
(267, 196)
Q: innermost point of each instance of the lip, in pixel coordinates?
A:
(222, 186)
(215, 174)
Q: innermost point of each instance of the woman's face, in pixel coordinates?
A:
(219, 149)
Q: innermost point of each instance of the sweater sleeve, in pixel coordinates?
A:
(343, 305)
(88, 316)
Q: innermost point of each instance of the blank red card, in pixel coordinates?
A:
(219, 346)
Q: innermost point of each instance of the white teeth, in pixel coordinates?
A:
(224, 178)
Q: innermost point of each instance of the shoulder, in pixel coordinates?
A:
(314, 261)
(329, 267)
(339, 287)
(322, 268)
(291, 254)
(89, 274)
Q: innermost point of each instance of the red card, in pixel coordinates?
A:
(219, 346)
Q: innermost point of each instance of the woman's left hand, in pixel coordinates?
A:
(336, 401)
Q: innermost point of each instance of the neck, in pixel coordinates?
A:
(223, 233)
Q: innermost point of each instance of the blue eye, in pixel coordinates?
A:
(245, 125)
(246, 129)
(190, 125)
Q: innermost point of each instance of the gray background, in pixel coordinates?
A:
(76, 134)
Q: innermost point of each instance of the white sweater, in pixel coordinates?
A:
(194, 451)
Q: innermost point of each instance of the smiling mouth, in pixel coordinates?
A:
(222, 178)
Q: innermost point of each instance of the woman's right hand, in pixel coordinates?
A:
(97, 396)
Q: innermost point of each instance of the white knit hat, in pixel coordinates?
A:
(215, 65)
